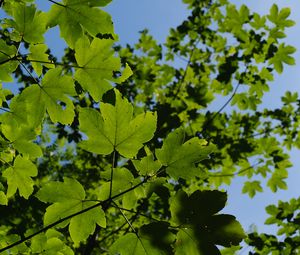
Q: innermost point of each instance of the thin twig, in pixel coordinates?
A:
(236, 173)
(52, 1)
(112, 173)
(132, 211)
(226, 103)
(104, 202)
(186, 69)
(131, 226)
(5, 110)
(223, 106)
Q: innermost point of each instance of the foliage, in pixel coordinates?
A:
(286, 216)
(115, 150)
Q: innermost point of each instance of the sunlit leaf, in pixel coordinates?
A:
(116, 128)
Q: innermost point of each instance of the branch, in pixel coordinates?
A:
(236, 173)
(91, 242)
(226, 103)
(186, 68)
(132, 219)
(223, 106)
(5, 110)
(130, 225)
(52, 1)
(8, 59)
(52, 63)
(102, 203)
(112, 172)
(132, 211)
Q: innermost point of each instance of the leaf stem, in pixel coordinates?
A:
(186, 69)
(236, 173)
(130, 225)
(132, 211)
(112, 173)
(102, 203)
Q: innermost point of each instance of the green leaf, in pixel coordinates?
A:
(21, 137)
(251, 188)
(273, 13)
(187, 243)
(289, 97)
(8, 65)
(159, 235)
(97, 65)
(187, 209)
(122, 180)
(258, 21)
(179, 157)
(147, 165)
(126, 73)
(283, 56)
(23, 109)
(37, 56)
(52, 95)
(19, 177)
(277, 180)
(131, 244)
(3, 198)
(68, 197)
(48, 244)
(115, 128)
(204, 228)
(225, 230)
(28, 23)
(82, 16)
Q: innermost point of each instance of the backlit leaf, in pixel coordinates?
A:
(116, 128)
(83, 16)
(68, 198)
(52, 95)
(19, 177)
(29, 23)
(97, 65)
(180, 157)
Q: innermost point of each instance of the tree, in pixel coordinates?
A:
(114, 150)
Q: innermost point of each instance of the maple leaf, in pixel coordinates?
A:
(83, 16)
(97, 64)
(19, 177)
(51, 95)
(68, 197)
(115, 128)
(28, 23)
(179, 157)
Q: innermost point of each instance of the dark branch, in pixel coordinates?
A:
(103, 203)
(236, 173)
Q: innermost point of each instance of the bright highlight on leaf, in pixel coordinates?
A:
(180, 157)
(116, 128)
(68, 197)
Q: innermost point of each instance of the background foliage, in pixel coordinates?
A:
(112, 150)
